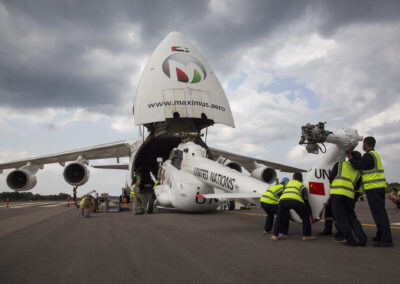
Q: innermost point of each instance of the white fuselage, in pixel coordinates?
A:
(186, 177)
(317, 182)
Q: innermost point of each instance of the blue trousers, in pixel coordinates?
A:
(346, 219)
(271, 210)
(284, 216)
(376, 201)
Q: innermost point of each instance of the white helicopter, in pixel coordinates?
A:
(178, 96)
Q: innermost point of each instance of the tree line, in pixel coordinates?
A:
(26, 196)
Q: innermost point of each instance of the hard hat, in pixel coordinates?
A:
(285, 179)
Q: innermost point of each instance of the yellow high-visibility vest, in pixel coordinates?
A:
(133, 194)
(155, 184)
(293, 190)
(138, 178)
(270, 196)
(345, 180)
(374, 178)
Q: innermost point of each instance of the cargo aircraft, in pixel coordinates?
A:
(178, 96)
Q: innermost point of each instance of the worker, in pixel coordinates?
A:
(374, 185)
(293, 198)
(269, 202)
(394, 196)
(146, 191)
(96, 204)
(126, 195)
(329, 222)
(344, 180)
(153, 199)
(74, 194)
(358, 194)
(86, 206)
(135, 194)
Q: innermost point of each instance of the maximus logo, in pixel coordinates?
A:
(188, 69)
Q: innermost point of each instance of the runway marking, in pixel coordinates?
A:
(53, 205)
(13, 224)
(392, 226)
(33, 204)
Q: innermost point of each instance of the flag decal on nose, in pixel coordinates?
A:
(316, 188)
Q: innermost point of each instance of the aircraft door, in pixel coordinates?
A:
(201, 104)
(190, 103)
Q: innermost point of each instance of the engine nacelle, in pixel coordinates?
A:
(21, 180)
(76, 174)
(264, 174)
(230, 164)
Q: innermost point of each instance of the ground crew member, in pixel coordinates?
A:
(337, 237)
(345, 179)
(146, 191)
(74, 194)
(153, 198)
(135, 195)
(86, 205)
(358, 192)
(394, 196)
(269, 202)
(293, 198)
(328, 224)
(329, 219)
(328, 216)
(374, 185)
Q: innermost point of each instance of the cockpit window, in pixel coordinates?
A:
(176, 160)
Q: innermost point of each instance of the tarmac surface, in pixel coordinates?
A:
(43, 244)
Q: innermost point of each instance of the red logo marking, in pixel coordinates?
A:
(316, 188)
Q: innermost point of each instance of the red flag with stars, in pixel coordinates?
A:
(316, 188)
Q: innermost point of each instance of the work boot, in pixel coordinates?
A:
(338, 239)
(386, 244)
(362, 243)
(308, 238)
(376, 239)
(336, 236)
(274, 238)
(325, 233)
(350, 244)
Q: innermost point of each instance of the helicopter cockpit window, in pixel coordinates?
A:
(177, 159)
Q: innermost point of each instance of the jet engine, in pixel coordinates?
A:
(230, 164)
(21, 180)
(76, 174)
(264, 174)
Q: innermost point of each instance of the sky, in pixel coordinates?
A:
(69, 72)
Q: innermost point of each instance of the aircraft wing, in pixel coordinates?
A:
(113, 167)
(110, 150)
(249, 163)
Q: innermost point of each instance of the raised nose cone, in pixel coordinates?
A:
(177, 83)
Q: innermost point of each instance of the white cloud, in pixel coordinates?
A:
(4, 126)
(81, 115)
(390, 115)
(103, 63)
(221, 10)
(303, 50)
(12, 155)
(46, 115)
(130, 33)
(124, 124)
